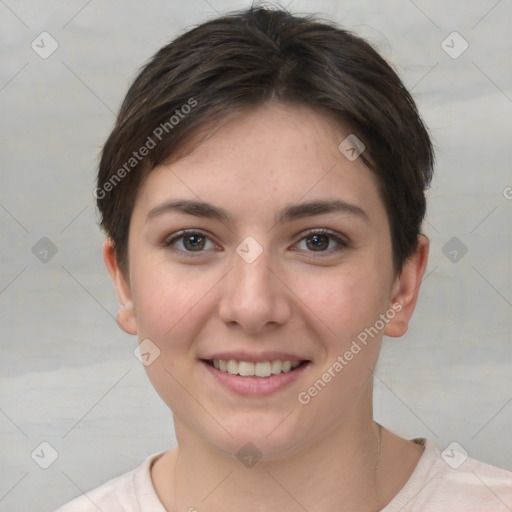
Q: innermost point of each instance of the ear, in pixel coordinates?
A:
(406, 288)
(126, 314)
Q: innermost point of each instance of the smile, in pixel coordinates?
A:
(249, 369)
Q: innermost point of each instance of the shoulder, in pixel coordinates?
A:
(450, 480)
(131, 492)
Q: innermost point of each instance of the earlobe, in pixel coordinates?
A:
(406, 289)
(126, 315)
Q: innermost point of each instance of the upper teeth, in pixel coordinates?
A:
(261, 369)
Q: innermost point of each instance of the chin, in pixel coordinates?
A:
(264, 437)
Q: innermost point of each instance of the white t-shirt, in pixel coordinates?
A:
(440, 483)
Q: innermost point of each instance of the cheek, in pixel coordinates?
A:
(345, 301)
(349, 304)
(165, 312)
(169, 307)
(166, 301)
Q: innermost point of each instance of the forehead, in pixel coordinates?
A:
(263, 159)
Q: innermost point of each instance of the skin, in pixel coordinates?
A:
(294, 298)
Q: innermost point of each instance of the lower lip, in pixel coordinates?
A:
(256, 386)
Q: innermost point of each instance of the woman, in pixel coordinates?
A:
(262, 193)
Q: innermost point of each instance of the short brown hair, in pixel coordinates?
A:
(245, 59)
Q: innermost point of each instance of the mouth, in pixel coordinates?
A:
(264, 377)
(260, 369)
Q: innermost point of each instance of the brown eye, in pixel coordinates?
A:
(318, 242)
(322, 241)
(194, 242)
(189, 242)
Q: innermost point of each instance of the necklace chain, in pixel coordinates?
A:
(378, 449)
(379, 435)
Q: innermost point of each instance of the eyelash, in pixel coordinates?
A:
(342, 244)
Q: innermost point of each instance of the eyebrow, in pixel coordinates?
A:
(288, 213)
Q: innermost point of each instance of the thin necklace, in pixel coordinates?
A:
(377, 492)
(378, 450)
(174, 479)
(376, 467)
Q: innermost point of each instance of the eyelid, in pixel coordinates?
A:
(324, 231)
(342, 241)
(183, 233)
(168, 241)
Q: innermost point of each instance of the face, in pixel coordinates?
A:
(267, 247)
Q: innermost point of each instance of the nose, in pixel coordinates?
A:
(255, 297)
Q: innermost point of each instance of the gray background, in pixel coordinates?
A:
(68, 374)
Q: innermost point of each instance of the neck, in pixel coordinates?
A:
(340, 471)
